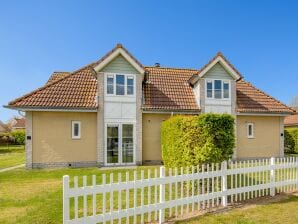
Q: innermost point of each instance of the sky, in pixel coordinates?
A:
(260, 38)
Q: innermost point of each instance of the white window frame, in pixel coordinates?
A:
(222, 89)
(119, 125)
(126, 76)
(252, 135)
(73, 123)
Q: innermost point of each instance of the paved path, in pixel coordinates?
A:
(12, 168)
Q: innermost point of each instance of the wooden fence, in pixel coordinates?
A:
(158, 196)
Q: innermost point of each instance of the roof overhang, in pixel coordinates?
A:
(263, 114)
(56, 109)
(223, 63)
(113, 55)
(169, 111)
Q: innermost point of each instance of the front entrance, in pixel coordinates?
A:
(120, 149)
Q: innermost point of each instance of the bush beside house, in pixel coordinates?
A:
(19, 137)
(291, 140)
(191, 140)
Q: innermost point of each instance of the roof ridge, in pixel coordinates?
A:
(171, 68)
(267, 95)
(45, 86)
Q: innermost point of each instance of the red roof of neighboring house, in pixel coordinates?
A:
(164, 89)
(20, 123)
(292, 120)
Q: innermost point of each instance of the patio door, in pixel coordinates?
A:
(120, 148)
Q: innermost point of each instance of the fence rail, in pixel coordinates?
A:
(143, 197)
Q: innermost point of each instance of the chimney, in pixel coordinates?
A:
(157, 64)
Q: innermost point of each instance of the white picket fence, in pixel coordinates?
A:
(143, 197)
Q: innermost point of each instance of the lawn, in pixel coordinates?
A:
(35, 196)
(11, 155)
(280, 211)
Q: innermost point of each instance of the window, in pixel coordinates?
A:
(226, 89)
(110, 84)
(209, 89)
(120, 85)
(250, 130)
(217, 89)
(76, 129)
(130, 85)
(120, 79)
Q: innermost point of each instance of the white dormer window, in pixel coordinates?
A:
(217, 89)
(120, 85)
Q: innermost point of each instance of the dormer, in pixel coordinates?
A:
(215, 86)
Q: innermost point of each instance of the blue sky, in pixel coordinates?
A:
(37, 37)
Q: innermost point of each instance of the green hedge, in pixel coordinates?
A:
(19, 136)
(191, 140)
(291, 140)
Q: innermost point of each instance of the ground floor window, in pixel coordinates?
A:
(120, 143)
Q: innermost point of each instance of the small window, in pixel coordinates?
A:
(120, 81)
(250, 130)
(217, 89)
(130, 86)
(226, 89)
(110, 84)
(76, 129)
(209, 89)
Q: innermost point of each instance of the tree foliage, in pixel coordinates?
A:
(19, 136)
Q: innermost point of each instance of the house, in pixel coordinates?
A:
(17, 123)
(109, 113)
(292, 120)
(3, 128)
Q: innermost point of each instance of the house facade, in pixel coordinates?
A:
(109, 113)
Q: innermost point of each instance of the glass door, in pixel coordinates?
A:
(112, 144)
(120, 144)
(127, 143)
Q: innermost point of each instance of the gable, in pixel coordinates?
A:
(218, 72)
(119, 65)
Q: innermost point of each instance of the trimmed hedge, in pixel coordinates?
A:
(291, 140)
(191, 140)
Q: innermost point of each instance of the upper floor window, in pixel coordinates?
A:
(120, 85)
(217, 89)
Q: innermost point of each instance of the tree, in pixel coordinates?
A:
(294, 101)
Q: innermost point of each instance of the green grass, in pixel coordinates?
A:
(291, 154)
(12, 155)
(281, 212)
(35, 196)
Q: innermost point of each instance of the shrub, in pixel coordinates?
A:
(291, 140)
(19, 136)
(191, 140)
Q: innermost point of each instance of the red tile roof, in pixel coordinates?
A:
(164, 89)
(292, 120)
(168, 89)
(20, 123)
(56, 76)
(251, 99)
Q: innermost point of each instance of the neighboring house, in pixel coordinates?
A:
(17, 123)
(110, 112)
(292, 120)
(3, 128)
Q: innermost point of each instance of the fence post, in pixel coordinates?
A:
(65, 198)
(224, 183)
(272, 176)
(296, 173)
(162, 195)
